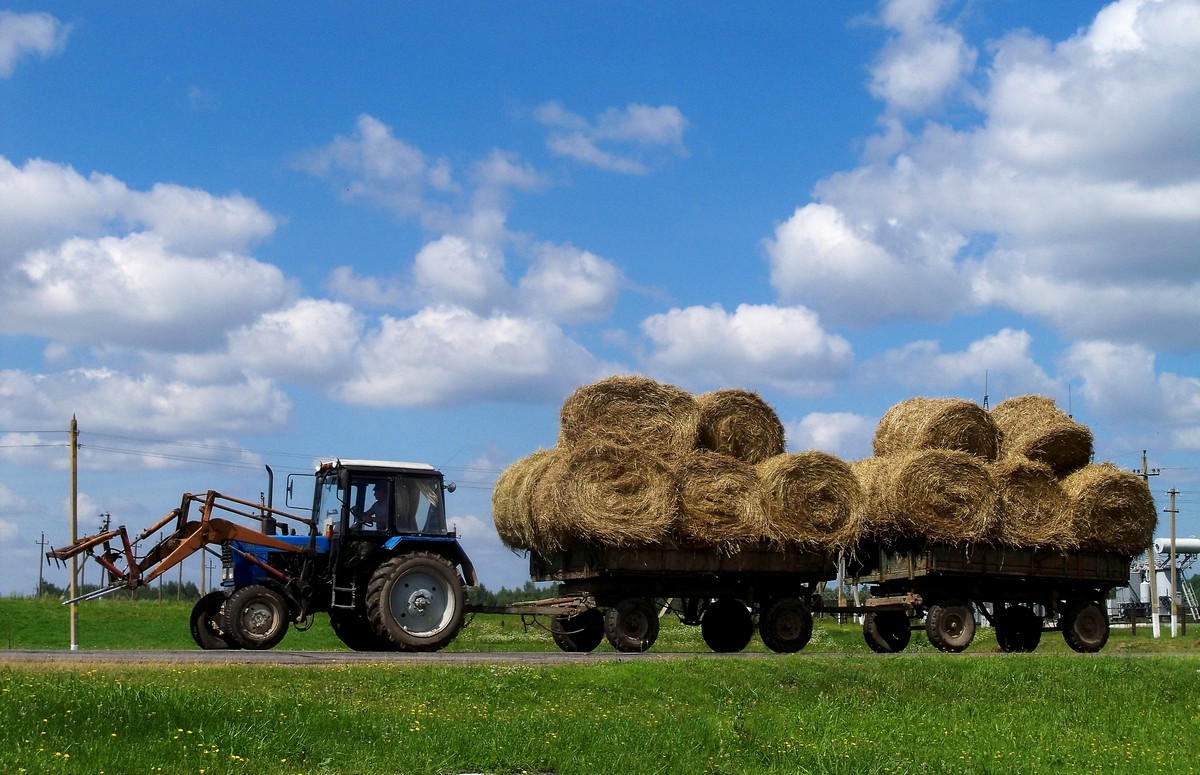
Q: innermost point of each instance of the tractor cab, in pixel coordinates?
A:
(368, 500)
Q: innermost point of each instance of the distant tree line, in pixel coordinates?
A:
(167, 590)
(505, 596)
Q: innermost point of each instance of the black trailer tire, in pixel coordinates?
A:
(727, 626)
(887, 632)
(785, 626)
(950, 625)
(256, 617)
(631, 625)
(579, 633)
(354, 630)
(207, 623)
(1018, 629)
(1085, 627)
(417, 600)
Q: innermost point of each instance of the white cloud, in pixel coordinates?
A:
(570, 285)
(447, 356)
(843, 434)
(105, 400)
(313, 340)
(923, 61)
(456, 270)
(819, 258)
(347, 285)
(618, 140)
(1003, 361)
(783, 347)
(28, 34)
(134, 291)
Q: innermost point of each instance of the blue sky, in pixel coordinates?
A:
(231, 237)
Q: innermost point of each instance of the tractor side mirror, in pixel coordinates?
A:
(451, 487)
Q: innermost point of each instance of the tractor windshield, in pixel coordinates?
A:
(392, 504)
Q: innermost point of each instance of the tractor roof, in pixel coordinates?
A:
(377, 465)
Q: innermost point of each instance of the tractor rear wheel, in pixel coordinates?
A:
(1085, 627)
(207, 625)
(887, 632)
(581, 632)
(417, 600)
(727, 625)
(354, 629)
(256, 617)
(785, 626)
(950, 625)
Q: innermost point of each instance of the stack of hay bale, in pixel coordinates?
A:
(639, 463)
(947, 471)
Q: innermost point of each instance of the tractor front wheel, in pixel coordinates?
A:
(256, 617)
(417, 600)
(207, 623)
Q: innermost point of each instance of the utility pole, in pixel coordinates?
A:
(1174, 572)
(74, 530)
(41, 562)
(1146, 473)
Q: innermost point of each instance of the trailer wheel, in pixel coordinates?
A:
(207, 625)
(417, 601)
(581, 632)
(950, 625)
(631, 625)
(785, 626)
(1018, 629)
(256, 617)
(355, 631)
(1085, 627)
(727, 626)
(887, 632)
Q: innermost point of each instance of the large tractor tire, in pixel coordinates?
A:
(631, 625)
(1018, 629)
(887, 632)
(256, 617)
(581, 632)
(727, 626)
(207, 623)
(355, 630)
(417, 601)
(1085, 627)
(950, 625)
(785, 626)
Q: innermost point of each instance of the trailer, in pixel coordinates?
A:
(621, 592)
(1022, 592)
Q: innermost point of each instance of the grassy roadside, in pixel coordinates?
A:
(829, 714)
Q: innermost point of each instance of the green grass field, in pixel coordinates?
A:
(833, 709)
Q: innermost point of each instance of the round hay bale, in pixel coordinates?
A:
(512, 500)
(1034, 427)
(814, 500)
(605, 494)
(630, 411)
(1033, 506)
(739, 424)
(721, 503)
(1110, 509)
(936, 495)
(937, 423)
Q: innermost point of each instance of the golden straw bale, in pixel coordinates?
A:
(739, 424)
(630, 411)
(1111, 509)
(1034, 427)
(813, 500)
(605, 494)
(937, 423)
(512, 499)
(1033, 506)
(721, 503)
(928, 495)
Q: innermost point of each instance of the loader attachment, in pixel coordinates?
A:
(188, 537)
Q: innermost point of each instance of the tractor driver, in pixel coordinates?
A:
(375, 516)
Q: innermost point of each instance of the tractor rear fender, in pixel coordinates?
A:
(447, 547)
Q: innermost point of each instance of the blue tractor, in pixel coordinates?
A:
(375, 555)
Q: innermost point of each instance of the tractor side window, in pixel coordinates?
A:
(430, 511)
(371, 504)
(329, 506)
